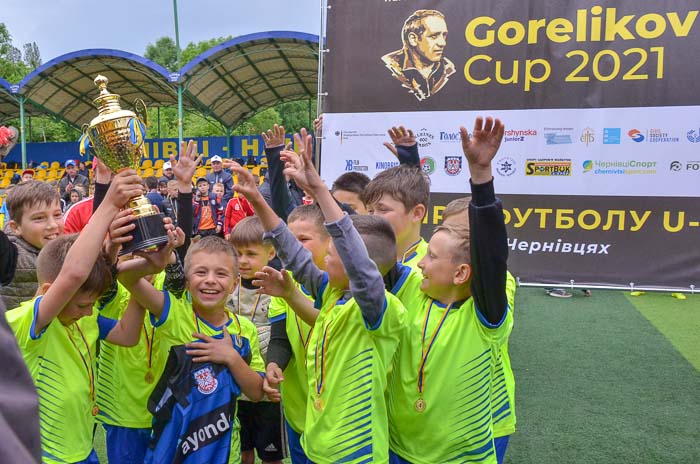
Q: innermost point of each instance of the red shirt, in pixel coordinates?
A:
(77, 216)
(237, 209)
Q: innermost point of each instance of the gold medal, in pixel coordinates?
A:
(95, 410)
(149, 377)
(420, 405)
(318, 404)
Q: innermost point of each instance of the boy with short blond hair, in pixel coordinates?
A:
(357, 329)
(35, 218)
(261, 423)
(401, 195)
(58, 332)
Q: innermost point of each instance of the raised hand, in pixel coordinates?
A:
(481, 147)
(400, 136)
(275, 137)
(125, 185)
(102, 172)
(246, 184)
(318, 126)
(300, 167)
(273, 282)
(186, 166)
(157, 260)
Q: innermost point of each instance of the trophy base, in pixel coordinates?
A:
(149, 234)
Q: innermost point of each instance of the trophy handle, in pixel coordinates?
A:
(140, 110)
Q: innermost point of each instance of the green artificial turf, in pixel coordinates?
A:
(606, 379)
(597, 383)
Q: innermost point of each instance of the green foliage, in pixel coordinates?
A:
(12, 68)
(163, 52)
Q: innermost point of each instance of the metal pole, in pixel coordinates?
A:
(22, 132)
(179, 83)
(319, 96)
(158, 122)
(229, 155)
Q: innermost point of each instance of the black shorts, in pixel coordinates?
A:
(262, 429)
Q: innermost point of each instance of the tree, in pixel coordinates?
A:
(12, 69)
(32, 56)
(164, 52)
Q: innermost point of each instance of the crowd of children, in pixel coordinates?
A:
(301, 322)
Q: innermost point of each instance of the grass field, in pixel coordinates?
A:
(606, 379)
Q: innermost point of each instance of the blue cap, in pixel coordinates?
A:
(69, 163)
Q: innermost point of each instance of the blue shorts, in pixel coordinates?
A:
(296, 453)
(91, 459)
(501, 443)
(396, 459)
(126, 445)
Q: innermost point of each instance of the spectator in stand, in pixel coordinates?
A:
(218, 190)
(153, 195)
(70, 179)
(83, 170)
(75, 197)
(27, 175)
(218, 175)
(208, 215)
(163, 188)
(170, 203)
(167, 172)
(237, 209)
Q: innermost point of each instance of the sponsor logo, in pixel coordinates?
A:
(381, 165)
(680, 166)
(558, 135)
(205, 435)
(346, 135)
(626, 167)
(206, 382)
(505, 167)
(693, 135)
(659, 136)
(453, 165)
(588, 136)
(450, 137)
(424, 138)
(517, 135)
(354, 165)
(611, 136)
(427, 164)
(548, 167)
(636, 135)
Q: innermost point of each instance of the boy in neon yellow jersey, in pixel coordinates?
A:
(358, 326)
(58, 330)
(401, 195)
(503, 403)
(290, 335)
(442, 379)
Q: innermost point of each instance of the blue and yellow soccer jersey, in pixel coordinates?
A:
(295, 388)
(178, 322)
(454, 406)
(414, 254)
(61, 360)
(347, 365)
(127, 375)
(503, 391)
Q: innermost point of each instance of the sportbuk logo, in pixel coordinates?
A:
(205, 435)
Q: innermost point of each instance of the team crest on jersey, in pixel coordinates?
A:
(453, 165)
(206, 382)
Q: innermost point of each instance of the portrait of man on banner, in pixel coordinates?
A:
(420, 65)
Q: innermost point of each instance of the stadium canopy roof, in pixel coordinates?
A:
(248, 74)
(229, 83)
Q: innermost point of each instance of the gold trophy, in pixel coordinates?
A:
(116, 137)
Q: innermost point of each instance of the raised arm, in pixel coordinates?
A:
(282, 201)
(128, 330)
(84, 252)
(293, 255)
(184, 170)
(366, 283)
(488, 238)
(403, 145)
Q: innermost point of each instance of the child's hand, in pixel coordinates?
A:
(215, 350)
(274, 138)
(121, 225)
(399, 136)
(318, 126)
(300, 167)
(271, 382)
(157, 260)
(185, 168)
(273, 282)
(246, 184)
(125, 185)
(480, 148)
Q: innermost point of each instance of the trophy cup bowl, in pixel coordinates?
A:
(117, 139)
